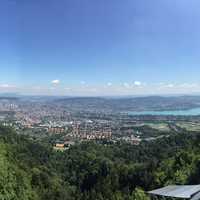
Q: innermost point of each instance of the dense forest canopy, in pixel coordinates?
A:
(32, 170)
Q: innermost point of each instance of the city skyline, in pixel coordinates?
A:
(100, 48)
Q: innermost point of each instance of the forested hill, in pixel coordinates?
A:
(33, 171)
(149, 103)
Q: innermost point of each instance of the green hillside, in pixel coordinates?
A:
(30, 170)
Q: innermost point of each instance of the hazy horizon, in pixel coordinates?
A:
(8, 95)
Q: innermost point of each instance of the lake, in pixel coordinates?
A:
(191, 112)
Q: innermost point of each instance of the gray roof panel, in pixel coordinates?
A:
(196, 197)
(177, 191)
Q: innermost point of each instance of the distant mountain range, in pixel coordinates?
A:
(151, 103)
(113, 104)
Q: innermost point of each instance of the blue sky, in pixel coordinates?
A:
(95, 47)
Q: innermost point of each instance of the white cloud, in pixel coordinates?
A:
(170, 85)
(56, 82)
(7, 86)
(137, 83)
(108, 88)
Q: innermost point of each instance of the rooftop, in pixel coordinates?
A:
(177, 191)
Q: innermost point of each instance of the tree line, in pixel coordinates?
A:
(32, 170)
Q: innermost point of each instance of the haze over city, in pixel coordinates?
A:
(94, 48)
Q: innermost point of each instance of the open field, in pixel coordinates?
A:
(189, 126)
(159, 126)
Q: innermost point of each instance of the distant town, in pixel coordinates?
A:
(66, 122)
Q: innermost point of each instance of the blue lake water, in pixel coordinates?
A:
(191, 112)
